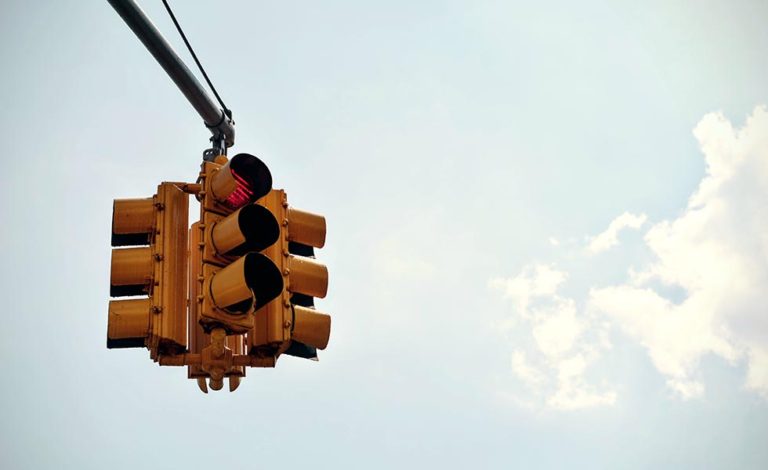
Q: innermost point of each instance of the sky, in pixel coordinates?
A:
(546, 232)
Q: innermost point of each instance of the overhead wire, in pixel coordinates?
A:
(226, 110)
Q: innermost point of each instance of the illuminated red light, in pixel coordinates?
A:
(243, 193)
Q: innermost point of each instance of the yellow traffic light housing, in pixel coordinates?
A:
(236, 279)
(237, 287)
(291, 319)
(153, 266)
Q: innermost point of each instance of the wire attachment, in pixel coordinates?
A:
(219, 141)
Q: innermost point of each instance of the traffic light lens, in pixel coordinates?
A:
(243, 180)
(241, 195)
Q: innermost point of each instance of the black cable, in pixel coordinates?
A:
(227, 111)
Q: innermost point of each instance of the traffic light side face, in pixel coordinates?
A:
(236, 279)
(133, 224)
(133, 221)
(128, 323)
(131, 273)
(292, 318)
(150, 261)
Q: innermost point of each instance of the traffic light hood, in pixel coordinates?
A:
(251, 228)
(242, 180)
(249, 283)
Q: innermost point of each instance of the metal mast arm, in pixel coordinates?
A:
(214, 118)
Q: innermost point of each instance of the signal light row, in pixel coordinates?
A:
(154, 267)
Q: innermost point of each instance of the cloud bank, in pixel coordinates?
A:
(610, 238)
(716, 252)
(563, 341)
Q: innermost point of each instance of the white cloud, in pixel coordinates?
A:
(535, 280)
(557, 330)
(675, 335)
(757, 372)
(529, 374)
(610, 237)
(559, 351)
(717, 252)
(573, 391)
(686, 388)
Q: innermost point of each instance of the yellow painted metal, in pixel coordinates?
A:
(169, 296)
(237, 360)
(227, 298)
(132, 267)
(212, 316)
(133, 216)
(131, 273)
(186, 294)
(226, 234)
(222, 182)
(306, 227)
(311, 327)
(307, 276)
(237, 344)
(228, 286)
(276, 323)
(158, 270)
(128, 321)
(197, 337)
(209, 204)
(234, 382)
(272, 323)
(262, 331)
(216, 358)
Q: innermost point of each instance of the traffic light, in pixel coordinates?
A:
(298, 300)
(290, 324)
(149, 264)
(237, 287)
(236, 279)
(199, 340)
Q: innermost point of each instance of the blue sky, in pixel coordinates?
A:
(546, 232)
